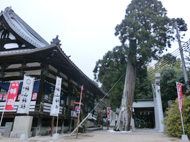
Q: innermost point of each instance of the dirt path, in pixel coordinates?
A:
(104, 136)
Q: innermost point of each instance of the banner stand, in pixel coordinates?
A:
(2, 117)
(56, 135)
(182, 123)
(184, 136)
(179, 93)
(54, 112)
(78, 115)
(52, 124)
(57, 122)
(5, 105)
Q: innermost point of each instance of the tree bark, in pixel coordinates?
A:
(124, 119)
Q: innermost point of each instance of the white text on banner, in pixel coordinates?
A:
(26, 94)
(56, 98)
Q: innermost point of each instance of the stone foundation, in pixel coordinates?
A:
(22, 124)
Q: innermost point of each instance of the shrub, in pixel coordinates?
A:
(173, 120)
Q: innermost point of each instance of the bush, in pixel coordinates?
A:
(173, 120)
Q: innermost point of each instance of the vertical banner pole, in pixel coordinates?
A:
(2, 117)
(179, 95)
(77, 125)
(52, 124)
(57, 122)
(79, 111)
(182, 123)
(54, 111)
(108, 117)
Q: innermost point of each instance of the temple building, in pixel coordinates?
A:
(24, 52)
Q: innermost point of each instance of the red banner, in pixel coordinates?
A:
(34, 96)
(179, 94)
(4, 97)
(108, 112)
(12, 95)
(1, 97)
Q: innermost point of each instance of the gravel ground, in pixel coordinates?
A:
(104, 136)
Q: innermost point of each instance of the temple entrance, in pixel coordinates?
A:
(144, 118)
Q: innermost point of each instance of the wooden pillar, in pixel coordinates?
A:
(39, 125)
(71, 123)
(69, 105)
(62, 126)
(3, 67)
(41, 87)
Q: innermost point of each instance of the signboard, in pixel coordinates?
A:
(179, 94)
(34, 96)
(56, 98)
(108, 112)
(12, 94)
(77, 109)
(26, 94)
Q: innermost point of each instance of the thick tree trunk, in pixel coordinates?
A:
(124, 119)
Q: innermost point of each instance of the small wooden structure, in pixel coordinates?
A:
(25, 52)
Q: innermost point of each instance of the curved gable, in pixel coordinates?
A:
(22, 29)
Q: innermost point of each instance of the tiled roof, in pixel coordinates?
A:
(23, 29)
(14, 51)
(28, 34)
(23, 51)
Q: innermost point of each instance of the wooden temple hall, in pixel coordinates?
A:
(24, 52)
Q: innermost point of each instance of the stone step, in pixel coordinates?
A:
(94, 128)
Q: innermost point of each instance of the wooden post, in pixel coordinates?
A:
(57, 123)
(62, 126)
(71, 123)
(108, 124)
(77, 124)
(41, 86)
(2, 117)
(79, 111)
(39, 126)
(52, 124)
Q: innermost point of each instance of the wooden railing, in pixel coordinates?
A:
(43, 108)
(31, 108)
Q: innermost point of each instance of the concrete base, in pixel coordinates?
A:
(112, 123)
(22, 125)
(18, 134)
(24, 136)
(184, 138)
(55, 136)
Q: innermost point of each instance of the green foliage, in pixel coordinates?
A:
(173, 119)
(168, 79)
(146, 21)
(170, 59)
(167, 61)
(181, 24)
(143, 89)
(148, 31)
(108, 70)
(113, 65)
(170, 70)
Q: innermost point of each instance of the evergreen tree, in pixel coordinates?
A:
(109, 69)
(148, 31)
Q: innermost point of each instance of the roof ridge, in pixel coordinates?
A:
(23, 29)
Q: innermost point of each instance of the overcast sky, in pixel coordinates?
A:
(85, 27)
